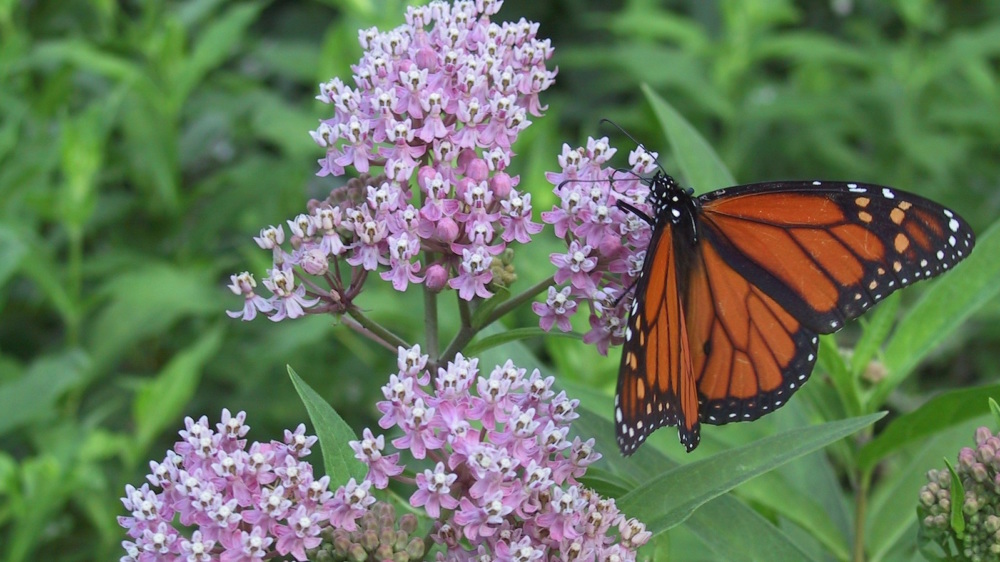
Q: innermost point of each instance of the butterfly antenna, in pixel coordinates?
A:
(634, 141)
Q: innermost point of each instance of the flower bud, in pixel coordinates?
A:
(447, 230)
(314, 262)
(501, 185)
(408, 523)
(477, 170)
(415, 549)
(370, 540)
(437, 277)
(982, 434)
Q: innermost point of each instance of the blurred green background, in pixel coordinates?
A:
(143, 144)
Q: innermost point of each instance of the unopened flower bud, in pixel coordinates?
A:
(501, 185)
(314, 262)
(447, 230)
(477, 170)
(437, 278)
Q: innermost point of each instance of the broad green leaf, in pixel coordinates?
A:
(32, 396)
(334, 435)
(215, 44)
(696, 483)
(159, 403)
(939, 413)
(145, 300)
(775, 493)
(735, 532)
(698, 161)
(12, 250)
(941, 310)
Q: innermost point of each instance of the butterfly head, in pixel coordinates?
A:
(672, 204)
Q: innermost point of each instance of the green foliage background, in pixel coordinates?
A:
(143, 144)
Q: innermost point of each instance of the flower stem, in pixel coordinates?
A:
(431, 324)
(464, 335)
(374, 330)
(514, 302)
(860, 513)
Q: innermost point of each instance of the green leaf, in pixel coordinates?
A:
(32, 396)
(694, 484)
(334, 435)
(698, 161)
(995, 408)
(877, 325)
(735, 532)
(160, 401)
(939, 413)
(491, 341)
(957, 493)
(216, 43)
(941, 310)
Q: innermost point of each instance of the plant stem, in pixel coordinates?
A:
(860, 513)
(514, 302)
(383, 335)
(464, 335)
(431, 324)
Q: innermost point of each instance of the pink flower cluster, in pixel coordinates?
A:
(436, 105)
(503, 484)
(244, 505)
(606, 245)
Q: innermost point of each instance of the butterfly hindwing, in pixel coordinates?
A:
(655, 384)
(828, 251)
(749, 353)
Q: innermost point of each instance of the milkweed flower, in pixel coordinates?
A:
(978, 469)
(427, 124)
(503, 478)
(605, 245)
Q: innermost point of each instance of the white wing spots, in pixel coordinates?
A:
(952, 224)
(638, 425)
(675, 212)
(887, 193)
(628, 333)
(618, 415)
(817, 183)
(855, 189)
(923, 263)
(811, 357)
(940, 254)
(952, 241)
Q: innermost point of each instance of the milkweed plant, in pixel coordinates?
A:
(424, 131)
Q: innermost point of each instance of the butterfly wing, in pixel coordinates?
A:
(828, 251)
(748, 353)
(655, 382)
(779, 263)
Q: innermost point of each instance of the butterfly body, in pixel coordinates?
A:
(738, 283)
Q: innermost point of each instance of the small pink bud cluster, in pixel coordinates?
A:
(979, 471)
(606, 245)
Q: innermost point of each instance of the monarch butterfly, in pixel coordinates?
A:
(738, 283)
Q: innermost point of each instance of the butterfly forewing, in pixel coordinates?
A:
(828, 251)
(655, 383)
